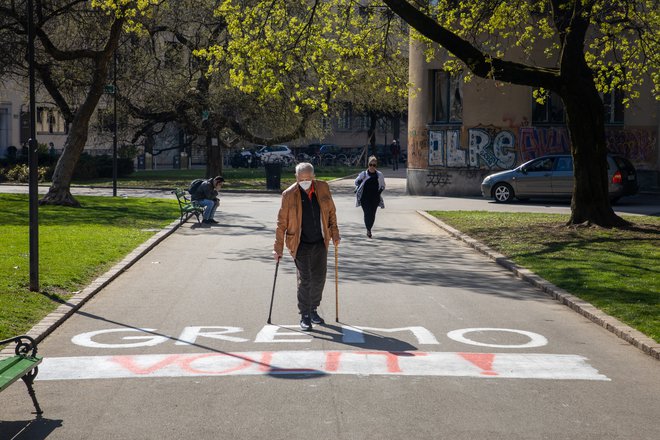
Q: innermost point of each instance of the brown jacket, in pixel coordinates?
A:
(289, 218)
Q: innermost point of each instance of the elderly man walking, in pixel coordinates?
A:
(306, 222)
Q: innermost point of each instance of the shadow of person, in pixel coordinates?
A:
(38, 429)
(354, 337)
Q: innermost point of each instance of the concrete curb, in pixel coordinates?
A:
(623, 331)
(57, 317)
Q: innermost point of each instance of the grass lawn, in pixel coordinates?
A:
(239, 178)
(617, 270)
(75, 246)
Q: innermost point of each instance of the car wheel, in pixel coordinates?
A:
(502, 193)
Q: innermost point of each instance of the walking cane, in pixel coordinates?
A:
(272, 296)
(336, 283)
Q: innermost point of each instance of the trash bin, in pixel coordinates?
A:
(273, 175)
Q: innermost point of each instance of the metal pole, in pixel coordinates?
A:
(114, 132)
(336, 283)
(272, 295)
(33, 162)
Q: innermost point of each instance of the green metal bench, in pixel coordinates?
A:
(187, 207)
(24, 365)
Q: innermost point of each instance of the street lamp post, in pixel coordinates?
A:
(114, 128)
(33, 161)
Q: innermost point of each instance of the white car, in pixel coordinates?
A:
(276, 153)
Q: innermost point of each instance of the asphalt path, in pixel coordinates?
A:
(433, 341)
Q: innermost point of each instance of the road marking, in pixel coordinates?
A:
(349, 334)
(535, 340)
(411, 363)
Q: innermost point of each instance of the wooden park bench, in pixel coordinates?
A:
(187, 207)
(23, 365)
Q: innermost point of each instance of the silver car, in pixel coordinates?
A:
(552, 177)
(276, 153)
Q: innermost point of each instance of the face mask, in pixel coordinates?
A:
(305, 184)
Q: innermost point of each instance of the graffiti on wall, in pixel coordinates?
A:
(538, 141)
(454, 155)
(639, 145)
(418, 148)
(488, 148)
(436, 147)
(491, 148)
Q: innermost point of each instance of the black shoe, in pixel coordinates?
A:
(306, 322)
(213, 221)
(316, 319)
(369, 234)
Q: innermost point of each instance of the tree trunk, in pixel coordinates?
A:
(585, 115)
(371, 134)
(59, 192)
(591, 202)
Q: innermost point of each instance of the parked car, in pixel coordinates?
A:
(552, 177)
(276, 153)
(245, 159)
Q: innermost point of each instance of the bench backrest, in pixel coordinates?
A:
(181, 197)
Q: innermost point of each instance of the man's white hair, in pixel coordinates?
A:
(304, 166)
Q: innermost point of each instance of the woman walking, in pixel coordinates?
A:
(370, 184)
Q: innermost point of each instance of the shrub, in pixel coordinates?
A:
(21, 173)
(44, 157)
(91, 167)
(18, 173)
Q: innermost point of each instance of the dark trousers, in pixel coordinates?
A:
(312, 263)
(369, 207)
(395, 162)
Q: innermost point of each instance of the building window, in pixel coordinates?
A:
(106, 120)
(613, 102)
(325, 122)
(363, 122)
(345, 116)
(550, 112)
(447, 97)
(50, 120)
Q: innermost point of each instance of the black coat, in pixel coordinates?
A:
(205, 191)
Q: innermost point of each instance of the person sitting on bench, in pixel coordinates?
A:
(207, 196)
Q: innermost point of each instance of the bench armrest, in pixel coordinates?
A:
(24, 344)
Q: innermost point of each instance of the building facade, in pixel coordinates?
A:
(51, 128)
(460, 132)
